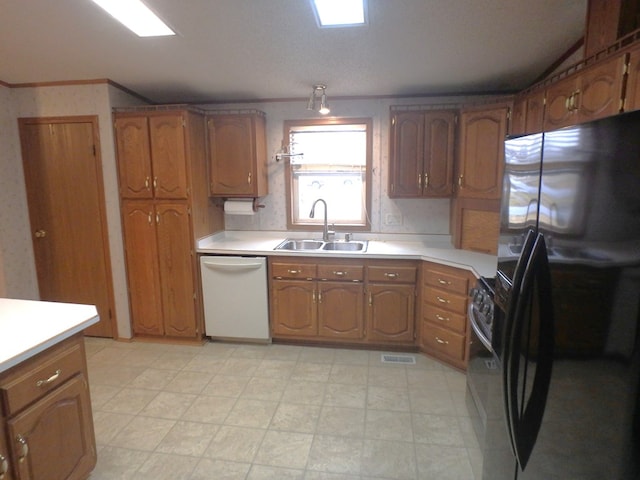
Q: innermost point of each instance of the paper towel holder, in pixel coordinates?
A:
(255, 204)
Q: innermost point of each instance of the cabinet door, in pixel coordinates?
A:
(134, 157)
(340, 310)
(601, 90)
(560, 108)
(5, 458)
(390, 313)
(175, 259)
(517, 123)
(482, 134)
(439, 141)
(232, 155)
(293, 308)
(168, 156)
(142, 267)
(406, 152)
(534, 118)
(632, 91)
(54, 439)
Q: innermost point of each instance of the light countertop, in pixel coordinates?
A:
(432, 248)
(28, 327)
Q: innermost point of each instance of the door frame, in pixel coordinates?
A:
(31, 195)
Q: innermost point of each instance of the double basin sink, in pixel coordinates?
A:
(296, 245)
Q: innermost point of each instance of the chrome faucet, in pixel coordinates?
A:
(325, 230)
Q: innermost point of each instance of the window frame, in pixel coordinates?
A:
(288, 173)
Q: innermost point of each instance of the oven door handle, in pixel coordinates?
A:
(478, 331)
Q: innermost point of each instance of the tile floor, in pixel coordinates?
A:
(228, 411)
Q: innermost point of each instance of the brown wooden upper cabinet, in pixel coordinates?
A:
(237, 154)
(481, 152)
(421, 153)
(527, 115)
(608, 20)
(592, 93)
(151, 156)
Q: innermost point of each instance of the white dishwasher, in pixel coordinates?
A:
(234, 293)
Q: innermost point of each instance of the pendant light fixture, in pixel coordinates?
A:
(321, 91)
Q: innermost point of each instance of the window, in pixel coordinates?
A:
(329, 159)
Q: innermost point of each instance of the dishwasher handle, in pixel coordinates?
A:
(214, 265)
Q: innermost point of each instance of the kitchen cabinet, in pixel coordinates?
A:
(421, 153)
(475, 224)
(443, 314)
(608, 20)
(391, 294)
(165, 207)
(527, 115)
(593, 92)
(632, 90)
(316, 300)
(49, 425)
(237, 154)
(481, 152)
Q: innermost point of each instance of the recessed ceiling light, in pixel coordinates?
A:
(136, 16)
(340, 13)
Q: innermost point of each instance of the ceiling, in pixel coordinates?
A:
(272, 49)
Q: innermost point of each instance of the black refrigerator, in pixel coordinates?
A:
(565, 404)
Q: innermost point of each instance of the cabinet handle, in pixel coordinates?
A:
(319, 296)
(441, 318)
(339, 273)
(426, 181)
(392, 276)
(51, 379)
(441, 342)
(146, 183)
(313, 296)
(155, 182)
(441, 300)
(419, 181)
(443, 282)
(293, 272)
(4, 466)
(460, 177)
(40, 233)
(24, 448)
(370, 300)
(249, 178)
(150, 218)
(574, 104)
(157, 218)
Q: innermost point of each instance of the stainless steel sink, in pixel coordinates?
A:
(352, 246)
(295, 245)
(300, 245)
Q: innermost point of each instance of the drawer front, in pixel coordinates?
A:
(32, 383)
(444, 318)
(443, 341)
(444, 299)
(392, 273)
(293, 270)
(348, 273)
(447, 281)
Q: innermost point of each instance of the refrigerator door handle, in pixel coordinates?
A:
(525, 420)
(510, 319)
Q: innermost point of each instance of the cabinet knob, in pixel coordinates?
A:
(23, 448)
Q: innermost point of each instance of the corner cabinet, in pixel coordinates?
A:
(421, 153)
(165, 206)
(48, 430)
(237, 154)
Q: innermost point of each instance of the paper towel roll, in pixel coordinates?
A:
(239, 207)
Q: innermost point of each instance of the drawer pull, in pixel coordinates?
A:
(339, 273)
(293, 272)
(443, 282)
(391, 275)
(441, 342)
(441, 318)
(51, 379)
(441, 300)
(24, 448)
(4, 466)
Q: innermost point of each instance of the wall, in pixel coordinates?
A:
(91, 99)
(418, 216)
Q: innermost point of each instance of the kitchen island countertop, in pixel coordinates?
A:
(28, 327)
(432, 248)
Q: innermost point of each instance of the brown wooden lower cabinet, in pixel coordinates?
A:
(48, 427)
(443, 322)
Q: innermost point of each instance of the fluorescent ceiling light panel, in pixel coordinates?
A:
(340, 13)
(136, 16)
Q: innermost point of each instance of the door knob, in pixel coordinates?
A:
(41, 234)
